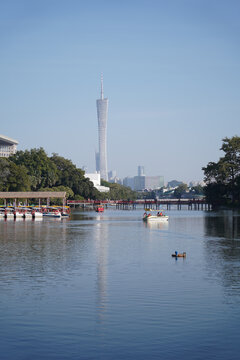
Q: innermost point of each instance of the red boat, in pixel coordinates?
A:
(99, 209)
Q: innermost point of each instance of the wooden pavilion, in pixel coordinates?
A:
(40, 195)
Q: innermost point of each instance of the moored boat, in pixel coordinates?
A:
(100, 208)
(26, 212)
(65, 211)
(17, 214)
(64, 214)
(27, 215)
(54, 213)
(37, 214)
(8, 214)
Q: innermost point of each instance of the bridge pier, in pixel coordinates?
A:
(125, 205)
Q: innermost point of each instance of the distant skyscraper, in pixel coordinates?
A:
(101, 156)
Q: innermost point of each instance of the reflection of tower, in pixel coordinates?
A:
(101, 157)
(101, 238)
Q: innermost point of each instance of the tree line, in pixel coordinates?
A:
(222, 178)
(34, 170)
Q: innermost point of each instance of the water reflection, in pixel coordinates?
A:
(36, 251)
(156, 225)
(96, 287)
(222, 247)
(99, 229)
(101, 243)
(225, 224)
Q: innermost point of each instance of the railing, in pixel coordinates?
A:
(195, 204)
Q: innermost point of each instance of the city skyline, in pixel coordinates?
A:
(171, 71)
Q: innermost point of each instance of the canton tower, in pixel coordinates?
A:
(101, 156)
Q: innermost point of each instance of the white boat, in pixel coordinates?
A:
(37, 215)
(64, 214)
(64, 210)
(53, 214)
(12, 213)
(27, 215)
(155, 217)
(9, 215)
(17, 214)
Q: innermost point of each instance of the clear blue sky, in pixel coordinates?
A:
(171, 72)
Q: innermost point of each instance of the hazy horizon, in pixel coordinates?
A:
(170, 72)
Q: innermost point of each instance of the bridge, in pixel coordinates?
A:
(190, 204)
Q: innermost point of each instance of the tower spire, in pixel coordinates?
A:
(102, 96)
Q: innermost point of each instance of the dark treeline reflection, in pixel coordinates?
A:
(225, 225)
(223, 249)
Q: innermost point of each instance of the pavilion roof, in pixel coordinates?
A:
(32, 194)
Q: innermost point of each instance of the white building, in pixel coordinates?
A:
(96, 180)
(8, 146)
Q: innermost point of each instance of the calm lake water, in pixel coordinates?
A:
(105, 286)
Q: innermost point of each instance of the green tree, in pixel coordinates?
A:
(222, 177)
(13, 177)
(180, 190)
(118, 192)
(4, 173)
(69, 193)
(18, 179)
(42, 171)
(66, 172)
(231, 163)
(69, 175)
(197, 190)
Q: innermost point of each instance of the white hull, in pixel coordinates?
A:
(52, 215)
(38, 215)
(155, 218)
(9, 216)
(18, 215)
(27, 216)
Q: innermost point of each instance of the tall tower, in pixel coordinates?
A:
(101, 157)
(141, 171)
